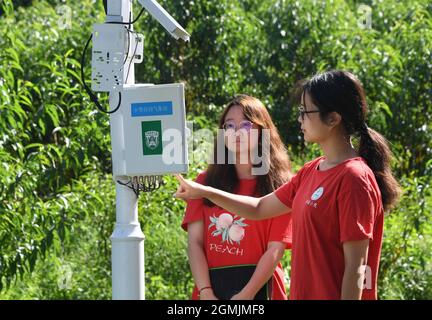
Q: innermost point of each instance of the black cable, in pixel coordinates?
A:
(105, 5)
(136, 191)
(133, 56)
(128, 47)
(128, 38)
(92, 96)
(143, 183)
(130, 22)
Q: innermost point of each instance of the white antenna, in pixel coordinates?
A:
(165, 19)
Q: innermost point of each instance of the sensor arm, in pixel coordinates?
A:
(165, 19)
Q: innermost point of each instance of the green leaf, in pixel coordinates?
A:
(34, 145)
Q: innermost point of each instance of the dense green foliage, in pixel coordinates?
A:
(57, 202)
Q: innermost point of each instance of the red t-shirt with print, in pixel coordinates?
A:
(244, 241)
(329, 208)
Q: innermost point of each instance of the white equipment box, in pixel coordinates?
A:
(151, 131)
(111, 43)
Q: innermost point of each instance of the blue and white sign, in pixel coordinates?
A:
(145, 109)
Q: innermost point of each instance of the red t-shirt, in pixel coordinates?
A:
(329, 208)
(245, 241)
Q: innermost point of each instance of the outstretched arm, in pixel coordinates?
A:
(248, 207)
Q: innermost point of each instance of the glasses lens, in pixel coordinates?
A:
(246, 125)
(229, 125)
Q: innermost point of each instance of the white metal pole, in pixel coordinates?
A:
(127, 248)
(127, 255)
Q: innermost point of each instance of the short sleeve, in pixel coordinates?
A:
(194, 208)
(358, 206)
(287, 191)
(281, 230)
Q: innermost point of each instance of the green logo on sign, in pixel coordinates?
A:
(151, 137)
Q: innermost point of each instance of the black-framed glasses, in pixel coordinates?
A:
(302, 111)
(231, 125)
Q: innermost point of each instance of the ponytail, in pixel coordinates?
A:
(375, 150)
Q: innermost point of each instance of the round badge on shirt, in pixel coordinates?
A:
(317, 194)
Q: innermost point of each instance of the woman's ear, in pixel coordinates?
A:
(334, 119)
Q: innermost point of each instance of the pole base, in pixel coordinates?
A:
(127, 260)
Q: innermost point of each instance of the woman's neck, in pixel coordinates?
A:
(337, 149)
(244, 171)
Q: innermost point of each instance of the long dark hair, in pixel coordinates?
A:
(341, 92)
(224, 176)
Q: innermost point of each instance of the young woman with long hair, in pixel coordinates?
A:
(232, 257)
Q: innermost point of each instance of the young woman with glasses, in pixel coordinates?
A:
(232, 257)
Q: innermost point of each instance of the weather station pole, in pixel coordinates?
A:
(127, 255)
(146, 122)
